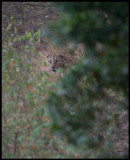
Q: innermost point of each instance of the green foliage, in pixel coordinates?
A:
(22, 96)
(25, 125)
(79, 108)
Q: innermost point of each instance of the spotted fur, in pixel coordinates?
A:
(61, 60)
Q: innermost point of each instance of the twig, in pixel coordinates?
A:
(29, 17)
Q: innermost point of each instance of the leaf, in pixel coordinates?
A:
(12, 17)
(18, 128)
(46, 119)
(32, 51)
(28, 35)
(9, 27)
(33, 147)
(27, 87)
(26, 96)
(44, 64)
(17, 69)
(12, 82)
(22, 23)
(11, 64)
(15, 30)
(32, 90)
(43, 130)
(14, 21)
(39, 32)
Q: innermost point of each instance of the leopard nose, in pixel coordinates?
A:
(53, 70)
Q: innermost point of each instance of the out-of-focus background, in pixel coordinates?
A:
(65, 80)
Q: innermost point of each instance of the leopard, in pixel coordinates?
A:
(61, 61)
(64, 59)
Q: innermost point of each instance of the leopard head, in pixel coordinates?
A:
(59, 61)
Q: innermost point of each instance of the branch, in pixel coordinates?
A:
(22, 3)
(28, 17)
